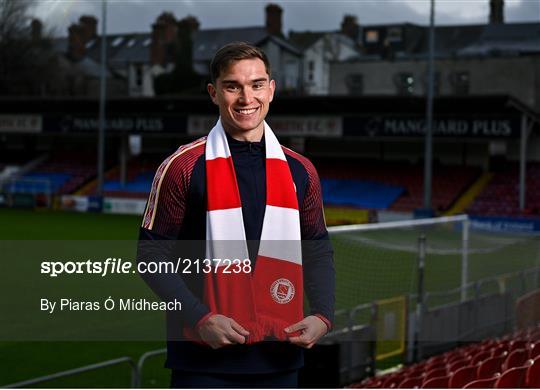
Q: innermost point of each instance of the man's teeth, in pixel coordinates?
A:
(247, 111)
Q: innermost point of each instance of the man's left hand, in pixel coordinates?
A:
(312, 328)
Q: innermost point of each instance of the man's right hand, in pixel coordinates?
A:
(219, 331)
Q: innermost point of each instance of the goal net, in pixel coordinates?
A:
(382, 260)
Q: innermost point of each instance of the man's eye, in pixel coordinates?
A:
(258, 86)
(232, 88)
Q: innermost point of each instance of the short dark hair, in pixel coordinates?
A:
(236, 51)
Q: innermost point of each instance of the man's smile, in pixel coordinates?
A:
(246, 111)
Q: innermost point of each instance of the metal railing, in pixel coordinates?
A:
(142, 360)
(75, 371)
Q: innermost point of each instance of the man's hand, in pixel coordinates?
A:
(219, 331)
(312, 329)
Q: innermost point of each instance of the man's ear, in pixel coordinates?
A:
(272, 89)
(212, 92)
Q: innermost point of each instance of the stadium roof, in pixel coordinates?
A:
(323, 105)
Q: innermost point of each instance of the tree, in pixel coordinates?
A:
(27, 60)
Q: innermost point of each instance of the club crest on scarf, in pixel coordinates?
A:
(282, 291)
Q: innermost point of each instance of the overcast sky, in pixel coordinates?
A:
(138, 15)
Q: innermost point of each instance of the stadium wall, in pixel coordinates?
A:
(505, 225)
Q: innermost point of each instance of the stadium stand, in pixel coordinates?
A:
(12, 161)
(449, 182)
(139, 175)
(484, 366)
(362, 194)
(501, 196)
(61, 173)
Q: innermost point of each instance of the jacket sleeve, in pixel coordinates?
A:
(158, 242)
(318, 264)
(168, 286)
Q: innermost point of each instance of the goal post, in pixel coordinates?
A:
(389, 252)
(389, 259)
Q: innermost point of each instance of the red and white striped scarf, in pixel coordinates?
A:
(270, 298)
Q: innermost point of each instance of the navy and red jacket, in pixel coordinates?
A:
(175, 218)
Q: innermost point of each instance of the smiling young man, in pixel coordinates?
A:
(243, 91)
(242, 323)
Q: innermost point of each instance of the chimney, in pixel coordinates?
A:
(191, 22)
(89, 26)
(36, 30)
(76, 43)
(168, 21)
(350, 27)
(273, 19)
(164, 33)
(157, 49)
(496, 11)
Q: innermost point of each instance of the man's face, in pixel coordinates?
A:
(243, 93)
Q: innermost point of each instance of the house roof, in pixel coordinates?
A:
(466, 40)
(463, 40)
(132, 47)
(304, 39)
(503, 38)
(207, 42)
(449, 40)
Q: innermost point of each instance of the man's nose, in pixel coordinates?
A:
(246, 96)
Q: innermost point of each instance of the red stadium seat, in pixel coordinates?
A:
(534, 335)
(435, 373)
(533, 374)
(435, 360)
(370, 383)
(463, 376)
(411, 383)
(375, 383)
(455, 358)
(512, 378)
(440, 382)
(534, 350)
(393, 380)
(481, 384)
(499, 350)
(457, 364)
(515, 359)
(480, 357)
(517, 344)
(416, 371)
(490, 367)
